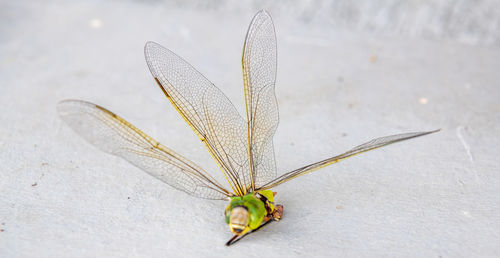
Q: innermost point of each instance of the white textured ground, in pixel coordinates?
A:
(337, 86)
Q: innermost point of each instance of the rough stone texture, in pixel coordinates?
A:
(341, 81)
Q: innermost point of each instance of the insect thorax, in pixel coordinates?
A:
(255, 206)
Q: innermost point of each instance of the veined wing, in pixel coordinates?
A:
(116, 136)
(371, 145)
(259, 76)
(207, 111)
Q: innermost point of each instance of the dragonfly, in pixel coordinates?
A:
(242, 147)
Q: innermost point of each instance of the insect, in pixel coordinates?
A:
(242, 148)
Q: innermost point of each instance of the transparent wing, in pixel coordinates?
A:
(116, 136)
(371, 145)
(259, 76)
(207, 111)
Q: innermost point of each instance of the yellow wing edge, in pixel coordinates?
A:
(166, 150)
(237, 189)
(368, 146)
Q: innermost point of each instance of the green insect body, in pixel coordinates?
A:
(258, 205)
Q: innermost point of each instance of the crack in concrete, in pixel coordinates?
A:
(467, 148)
(464, 143)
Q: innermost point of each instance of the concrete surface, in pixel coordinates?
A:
(341, 81)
